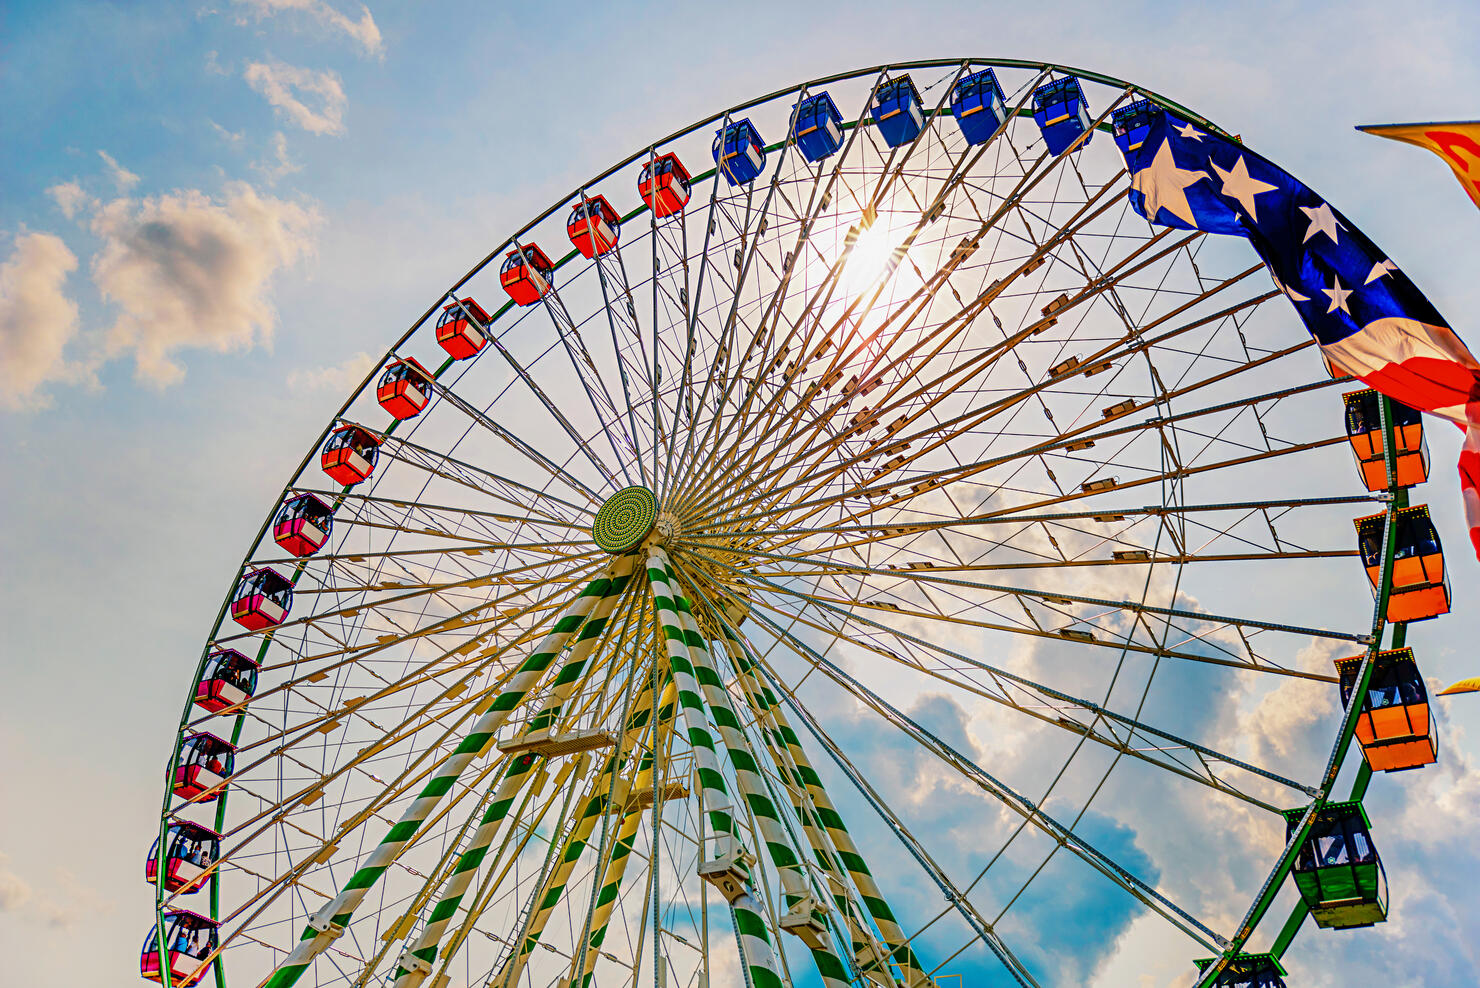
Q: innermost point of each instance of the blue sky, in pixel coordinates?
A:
(345, 165)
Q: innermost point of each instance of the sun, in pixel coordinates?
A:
(872, 260)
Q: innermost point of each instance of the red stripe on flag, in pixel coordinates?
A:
(1425, 383)
(1469, 482)
(1440, 385)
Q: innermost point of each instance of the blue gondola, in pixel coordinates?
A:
(1130, 123)
(897, 112)
(1059, 107)
(978, 106)
(744, 153)
(818, 130)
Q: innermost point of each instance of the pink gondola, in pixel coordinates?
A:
(190, 939)
(303, 525)
(229, 678)
(263, 599)
(205, 763)
(190, 852)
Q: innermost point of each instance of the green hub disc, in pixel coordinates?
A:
(625, 520)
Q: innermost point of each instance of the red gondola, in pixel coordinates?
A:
(349, 454)
(190, 852)
(462, 329)
(229, 678)
(303, 525)
(1420, 585)
(1364, 430)
(527, 275)
(669, 193)
(1395, 728)
(190, 938)
(405, 388)
(263, 599)
(593, 227)
(204, 765)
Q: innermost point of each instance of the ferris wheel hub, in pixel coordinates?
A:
(625, 520)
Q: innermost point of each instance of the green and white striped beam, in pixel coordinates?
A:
(596, 806)
(827, 815)
(329, 922)
(415, 964)
(616, 866)
(801, 904)
(871, 957)
(757, 954)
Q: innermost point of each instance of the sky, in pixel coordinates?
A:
(217, 216)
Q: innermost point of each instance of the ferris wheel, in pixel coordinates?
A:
(840, 542)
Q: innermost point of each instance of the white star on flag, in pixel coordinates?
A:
(1189, 131)
(1239, 185)
(1322, 220)
(1337, 295)
(1293, 295)
(1382, 267)
(1162, 183)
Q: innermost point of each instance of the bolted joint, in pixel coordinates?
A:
(873, 964)
(806, 920)
(729, 870)
(323, 922)
(412, 964)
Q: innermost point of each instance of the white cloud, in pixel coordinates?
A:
(188, 270)
(122, 177)
(338, 379)
(362, 31)
(233, 138)
(279, 164)
(70, 903)
(69, 197)
(37, 320)
(213, 64)
(63, 903)
(14, 891)
(283, 84)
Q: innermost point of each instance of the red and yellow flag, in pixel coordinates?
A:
(1457, 143)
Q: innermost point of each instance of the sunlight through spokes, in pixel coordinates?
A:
(872, 260)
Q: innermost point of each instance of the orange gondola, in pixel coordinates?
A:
(593, 227)
(405, 388)
(349, 454)
(1420, 585)
(668, 193)
(1364, 430)
(527, 275)
(462, 329)
(1395, 727)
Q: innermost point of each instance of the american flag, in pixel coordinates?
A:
(1369, 319)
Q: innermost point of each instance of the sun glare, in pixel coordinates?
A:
(870, 261)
